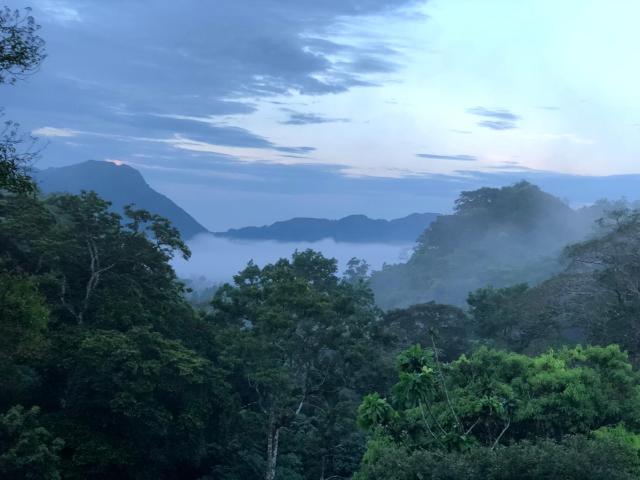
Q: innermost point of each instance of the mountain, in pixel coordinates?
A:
(354, 228)
(496, 236)
(119, 184)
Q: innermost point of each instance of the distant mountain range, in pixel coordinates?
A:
(121, 185)
(354, 228)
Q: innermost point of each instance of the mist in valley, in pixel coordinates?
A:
(216, 260)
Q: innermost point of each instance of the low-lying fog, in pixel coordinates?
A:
(218, 259)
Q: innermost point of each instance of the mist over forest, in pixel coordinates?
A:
(217, 260)
(496, 338)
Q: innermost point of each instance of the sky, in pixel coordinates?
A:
(250, 111)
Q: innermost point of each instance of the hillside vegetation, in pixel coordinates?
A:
(496, 236)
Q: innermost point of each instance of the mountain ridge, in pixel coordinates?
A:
(121, 185)
(355, 228)
(495, 236)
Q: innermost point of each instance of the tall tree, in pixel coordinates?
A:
(21, 52)
(606, 274)
(302, 345)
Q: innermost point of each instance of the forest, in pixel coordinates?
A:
(525, 368)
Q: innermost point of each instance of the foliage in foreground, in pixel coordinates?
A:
(571, 413)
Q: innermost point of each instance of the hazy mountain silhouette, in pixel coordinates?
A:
(495, 236)
(119, 184)
(354, 228)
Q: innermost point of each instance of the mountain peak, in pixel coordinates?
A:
(120, 184)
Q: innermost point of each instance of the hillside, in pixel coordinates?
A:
(495, 237)
(354, 228)
(121, 185)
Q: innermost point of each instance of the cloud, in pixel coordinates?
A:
(227, 50)
(370, 64)
(297, 118)
(499, 119)
(493, 113)
(510, 166)
(55, 132)
(296, 150)
(202, 129)
(461, 158)
(60, 11)
(497, 124)
(173, 79)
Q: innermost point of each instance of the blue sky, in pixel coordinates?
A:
(250, 111)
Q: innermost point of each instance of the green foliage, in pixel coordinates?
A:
(23, 322)
(607, 272)
(374, 410)
(95, 330)
(357, 271)
(505, 405)
(140, 404)
(23, 317)
(302, 346)
(577, 457)
(28, 451)
(17, 153)
(94, 269)
(496, 312)
(21, 49)
(594, 300)
(428, 324)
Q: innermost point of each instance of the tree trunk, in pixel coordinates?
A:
(323, 464)
(272, 450)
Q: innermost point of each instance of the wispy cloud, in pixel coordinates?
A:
(493, 113)
(459, 158)
(297, 118)
(296, 150)
(497, 124)
(498, 118)
(60, 12)
(55, 132)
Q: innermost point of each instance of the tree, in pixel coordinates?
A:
(357, 271)
(301, 344)
(21, 52)
(139, 405)
(93, 266)
(430, 324)
(15, 161)
(576, 457)
(496, 236)
(605, 275)
(96, 332)
(27, 449)
(21, 49)
(23, 323)
(492, 401)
